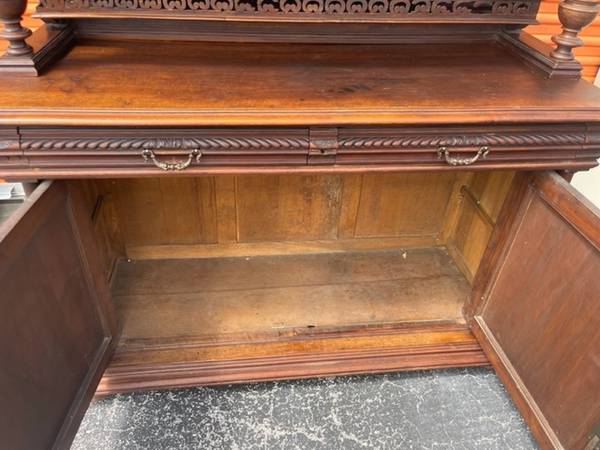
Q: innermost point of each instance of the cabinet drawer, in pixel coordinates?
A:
(72, 152)
(516, 146)
(146, 148)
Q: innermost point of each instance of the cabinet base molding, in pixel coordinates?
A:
(372, 352)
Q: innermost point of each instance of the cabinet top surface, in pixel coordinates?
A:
(189, 84)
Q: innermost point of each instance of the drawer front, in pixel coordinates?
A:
(156, 148)
(493, 146)
(63, 152)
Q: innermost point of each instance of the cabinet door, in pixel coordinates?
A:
(56, 322)
(539, 316)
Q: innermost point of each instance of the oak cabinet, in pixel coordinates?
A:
(355, 188)
(256, 277)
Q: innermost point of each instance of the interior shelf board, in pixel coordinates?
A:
(221, 299)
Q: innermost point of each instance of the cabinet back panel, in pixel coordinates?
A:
(157, 211)
(279, 208)
(398, 204)
(288, 208)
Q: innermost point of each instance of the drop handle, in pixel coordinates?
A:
(149, 155)
(444, 152)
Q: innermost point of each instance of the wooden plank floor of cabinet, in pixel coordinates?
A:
(239, 319)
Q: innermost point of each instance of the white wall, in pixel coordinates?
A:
(588, 183)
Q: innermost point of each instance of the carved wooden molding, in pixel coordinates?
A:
(387, 8)
(320, 141)
(408, 141)
(201, 143)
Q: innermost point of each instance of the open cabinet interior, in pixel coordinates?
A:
(235, 266)
(176, 283)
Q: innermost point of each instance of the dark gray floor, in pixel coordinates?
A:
(445, 409)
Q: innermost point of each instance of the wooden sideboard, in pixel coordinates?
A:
(232, 192)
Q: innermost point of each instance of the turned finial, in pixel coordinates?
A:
(11, 12)
(574, 15)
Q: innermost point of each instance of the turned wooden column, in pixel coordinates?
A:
(574, 15)
(11, 12)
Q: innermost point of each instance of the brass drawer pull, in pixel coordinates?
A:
(456, 161)
(149, 155)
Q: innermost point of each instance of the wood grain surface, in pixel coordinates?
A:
(539, 315)
(201, 84)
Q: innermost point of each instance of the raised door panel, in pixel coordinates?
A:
(538, 321)
(56, 322)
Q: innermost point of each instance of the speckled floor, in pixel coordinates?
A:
(444, 409)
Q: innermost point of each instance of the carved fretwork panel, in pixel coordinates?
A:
(521, 11)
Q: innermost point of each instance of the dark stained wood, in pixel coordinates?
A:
(125, 151)
(48, 44)
(538, 317)
(341, 11)
(574, 15)
(56, 325)
(538, 54)
(201, 84)
(11, 12)
(283, 31)
(301, 235)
